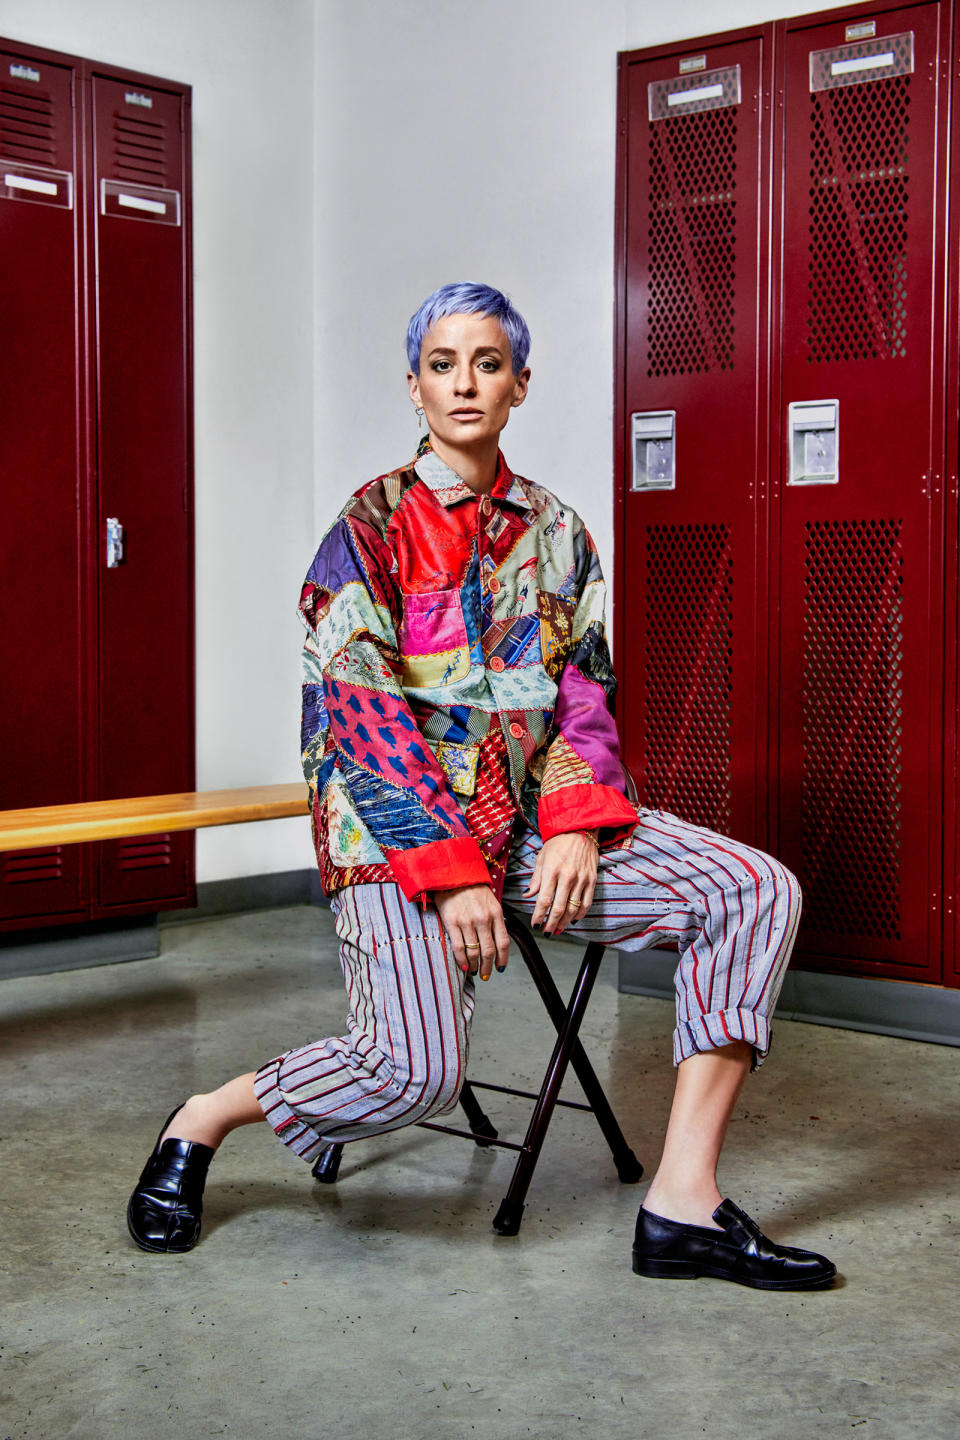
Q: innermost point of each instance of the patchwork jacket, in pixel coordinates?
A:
(455, 675)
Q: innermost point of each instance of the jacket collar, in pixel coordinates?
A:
(447, 487)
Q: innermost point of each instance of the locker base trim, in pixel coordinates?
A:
(75, 947)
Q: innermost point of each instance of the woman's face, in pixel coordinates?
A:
(466, 383)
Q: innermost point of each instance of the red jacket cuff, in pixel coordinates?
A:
(442, 865)
(586, 807)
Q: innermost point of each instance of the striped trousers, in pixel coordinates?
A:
(731, 912)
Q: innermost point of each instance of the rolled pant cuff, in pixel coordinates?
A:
(287, 1126)
(719, 1028)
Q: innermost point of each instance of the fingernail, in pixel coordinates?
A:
(465, 969)
(484, 977)
(500, 969)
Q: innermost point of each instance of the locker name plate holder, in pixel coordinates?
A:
(36, 183)
(876, 59)
(692, 94)
(653, 443)
(139, 202)
(814, 428)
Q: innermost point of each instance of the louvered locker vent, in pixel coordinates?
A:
(139, 150)
(852, 701)
(692, 250)
(146, 852)
(688, 689)
(28, 126)
(859, 213)
(32, 867)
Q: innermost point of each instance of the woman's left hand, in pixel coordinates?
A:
(565, 872)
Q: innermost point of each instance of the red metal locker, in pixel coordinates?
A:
(691, 440)
(95, 373)
(43, 734)
(951, 815)
(860, 418)
(139, 197)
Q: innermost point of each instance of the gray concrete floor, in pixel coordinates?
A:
(386, 1306)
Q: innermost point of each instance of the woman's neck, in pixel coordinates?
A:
(475, 464)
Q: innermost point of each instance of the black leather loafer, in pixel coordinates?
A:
(165, 1208)
(739, 1251)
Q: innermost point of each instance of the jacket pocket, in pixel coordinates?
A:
(433, 640)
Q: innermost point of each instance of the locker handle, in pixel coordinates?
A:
(115, 543)
(813, 442)
(653, 436)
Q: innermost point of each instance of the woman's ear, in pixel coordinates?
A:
(413, 384)
(520, 386)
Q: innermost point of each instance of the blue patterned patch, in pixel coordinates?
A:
(394, 815)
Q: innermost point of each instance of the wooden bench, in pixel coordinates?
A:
(148, 815)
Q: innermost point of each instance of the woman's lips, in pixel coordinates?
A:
(466, 414)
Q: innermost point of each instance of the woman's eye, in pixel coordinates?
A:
(441, 366)
(490, 365)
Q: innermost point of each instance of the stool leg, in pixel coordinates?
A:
(477, 1118)
(629, 1169)
(327, 1165)
(508, 1217)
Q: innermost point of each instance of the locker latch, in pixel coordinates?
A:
(814, 430)
(114, 543)
(653, 439)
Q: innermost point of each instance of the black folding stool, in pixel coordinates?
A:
(567, 1020)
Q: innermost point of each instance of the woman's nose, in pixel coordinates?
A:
(463, 382)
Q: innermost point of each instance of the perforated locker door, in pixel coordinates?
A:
(690, 596)
(41, 732)
(141, 221)
(860, 514)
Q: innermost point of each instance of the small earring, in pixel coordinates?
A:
(419, 412)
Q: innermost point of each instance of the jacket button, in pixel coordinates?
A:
(516, 731)
(486, 505)
(494, 586)
(496, 663)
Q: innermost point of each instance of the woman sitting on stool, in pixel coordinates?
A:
(460, 749)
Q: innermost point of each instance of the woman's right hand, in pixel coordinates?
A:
(473, 918)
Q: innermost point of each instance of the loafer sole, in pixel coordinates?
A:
(660, 1269)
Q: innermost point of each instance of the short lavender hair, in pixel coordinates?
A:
(467, 299)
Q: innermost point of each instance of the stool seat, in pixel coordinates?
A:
(567, 1019)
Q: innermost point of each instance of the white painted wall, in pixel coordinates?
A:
(251, 65)
(459, 140)
(648, 24)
